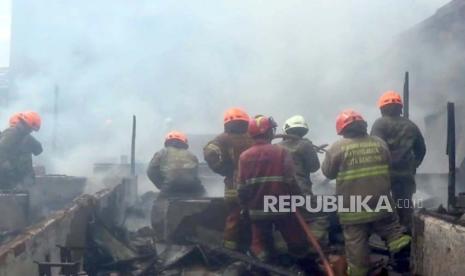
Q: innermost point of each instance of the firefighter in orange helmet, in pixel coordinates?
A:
(174, 171)
(222, 156)
(407, 147)
(16, 147)
(360, 164)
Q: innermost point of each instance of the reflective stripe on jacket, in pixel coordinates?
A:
(265, 170)
(361, 168)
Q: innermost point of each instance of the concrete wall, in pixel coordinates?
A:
(439, 246)
(52, 193)
(65, 227)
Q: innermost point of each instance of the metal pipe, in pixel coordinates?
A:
(406, 96)
(451, 152)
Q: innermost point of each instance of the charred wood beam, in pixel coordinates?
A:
(451, 152)
(406, 96)
(67, 269)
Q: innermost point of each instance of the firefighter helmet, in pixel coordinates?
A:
(345, 118)
(296, 121)
(176, 135)
(390, 97)
(261, 125)
(235, 114)
(30, 118)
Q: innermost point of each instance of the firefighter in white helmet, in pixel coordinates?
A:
(302, 150)
(305, 162)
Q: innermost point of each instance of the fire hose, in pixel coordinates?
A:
(314, 242)
(311, 238)
(319, 149)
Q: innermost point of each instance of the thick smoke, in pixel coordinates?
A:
(180, 64)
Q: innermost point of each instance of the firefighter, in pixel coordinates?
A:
(268, 170)
(222, 156)
(305, 162)
(360, 165)
(23, 165)
(407, 147)
(174, 169)
(15, 144)
(302, 150)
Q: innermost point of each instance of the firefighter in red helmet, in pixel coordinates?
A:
(267, 170)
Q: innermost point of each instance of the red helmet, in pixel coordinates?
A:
(14, 119)
(345, 118)
(389, 97)
(176, 135)
(261, 125)
(235, 114)
(30, 118)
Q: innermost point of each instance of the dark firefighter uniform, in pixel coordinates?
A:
(360, 165)
(267, 170)
(24, 166)
(407, 147)
(222, 156)
(16, 149)
(306, 162)
(174, 171)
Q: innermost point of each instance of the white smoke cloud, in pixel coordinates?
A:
(185, 62)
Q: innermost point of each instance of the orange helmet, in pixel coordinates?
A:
(345, 118)
(235, 114)
(389, 97)
(30, 118)
(14, 119)
(176, 135)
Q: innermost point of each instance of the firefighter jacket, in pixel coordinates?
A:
(265, 170)
(11, 142)
(23, 163)
(222, 156)
(405, 142)
(174, 170)
(305, 161)
(361, 168)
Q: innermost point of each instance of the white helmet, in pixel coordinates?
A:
(294, 122)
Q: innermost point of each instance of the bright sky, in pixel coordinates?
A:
(5, 7)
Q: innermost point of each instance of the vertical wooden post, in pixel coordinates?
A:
(451, 152)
